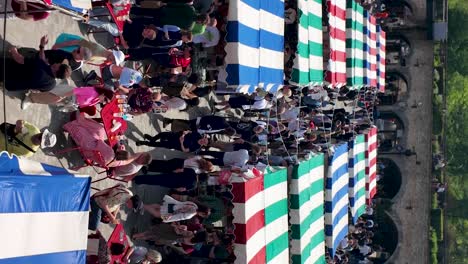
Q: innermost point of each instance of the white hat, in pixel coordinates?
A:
(119, 56)
(48, 139)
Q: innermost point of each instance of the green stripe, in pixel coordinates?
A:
(311, 48)
(275, 247)
(354, 63)
(298, 200)
(304, 78)
(316, 161)
(300, 170)
(354, 44)
(360, 175)
(359, 139)
(273, 178)
(316, 239)
(298, 231)
(309, 20)
(276, 211)
(359, 157)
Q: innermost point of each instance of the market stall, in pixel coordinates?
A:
(44, 213)
(381, 37)
(336, 70)
(261, 218)
(371, 163)
(355, 41)
(306, 211)
(255, 44)
(357, 177)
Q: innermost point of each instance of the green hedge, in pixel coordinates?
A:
(434, 246)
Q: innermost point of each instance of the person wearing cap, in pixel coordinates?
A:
(24, 139)
(109, 201)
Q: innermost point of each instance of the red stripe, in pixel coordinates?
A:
(373, 36)
(260, 257)
(372, 19)
(372, 51)
(337, 33)
(382, 47)
(382, 61)
(338, 56)
(244, 232)
(242, 192)
(336, 10)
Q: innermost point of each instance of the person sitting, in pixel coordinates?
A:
(23, 74)
(185, 141)
(108, 201)
(24, 139)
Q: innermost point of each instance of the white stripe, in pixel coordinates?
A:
(276, 229)
(28, 234)
(299, 215)
(337, 66)
(271, 59)
(316, 253)
(359, 148)
(237, 53)
(315, 62)
(360, 166)
(337, 44)
(32, 167)
(372, 155)
(244, 211)
(271, 23)
(314, 8)
(342, 203)
(276, 193)
(246, 15)
(255, 244)
(281, 258)
(342, 223)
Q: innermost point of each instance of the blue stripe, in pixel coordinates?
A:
(67, 5)
(340, 194)
(253, 38)
(351, 201)
(55, 170)
(33, 194)
(244, 75)
(338, 237)
(70, 257)
(351, 162)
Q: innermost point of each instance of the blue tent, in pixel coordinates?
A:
(43, 213)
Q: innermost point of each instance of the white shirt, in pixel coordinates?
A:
(236, 158)
(126, 170)
(365, 250)
(192, 163)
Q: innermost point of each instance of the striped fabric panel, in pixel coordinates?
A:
(255, 43)
(373, 51)
(354, 45)
(381, 59)
(357, 177)
(336, 74)
(336, 198)
(261, 218)
(306, 212)
(42, 205)
(371, 163)
(308, 64)
(276, 216)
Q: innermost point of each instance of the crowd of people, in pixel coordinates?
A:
(182, 41)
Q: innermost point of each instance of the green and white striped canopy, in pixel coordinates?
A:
(355, 39)
(306, 212)
(308, 64)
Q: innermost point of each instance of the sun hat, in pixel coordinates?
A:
(48, 139)
(119, 56)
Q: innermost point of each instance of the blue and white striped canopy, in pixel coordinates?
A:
(255, 45)
(336, 199)
(43, 213)
(357, 177)
(78, 6)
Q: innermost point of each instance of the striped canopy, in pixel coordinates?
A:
(78, 6)
(44, 213)
(354, 45)
(357, 177)
(255, 45)
(371, 163)
(336, 198)
(336, 74)
(261, 218)
(381, 37)
(308, 64)
(370, 50)
(306, 212)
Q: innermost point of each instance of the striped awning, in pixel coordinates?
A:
(354, 45)
(78, 6)
(336, 72)
(261, 218)
(44, 213)
(381, 37)
(370, 50)
(307, 213)
(255, 45)
(308, 64)
(357, 177)
(371, 163)
(336, 198)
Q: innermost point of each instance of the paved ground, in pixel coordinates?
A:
(412, 204)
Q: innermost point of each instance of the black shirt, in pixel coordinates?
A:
(57, 56)
(191, 141)
(244, 129)
(33, 74)
(132, 33)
